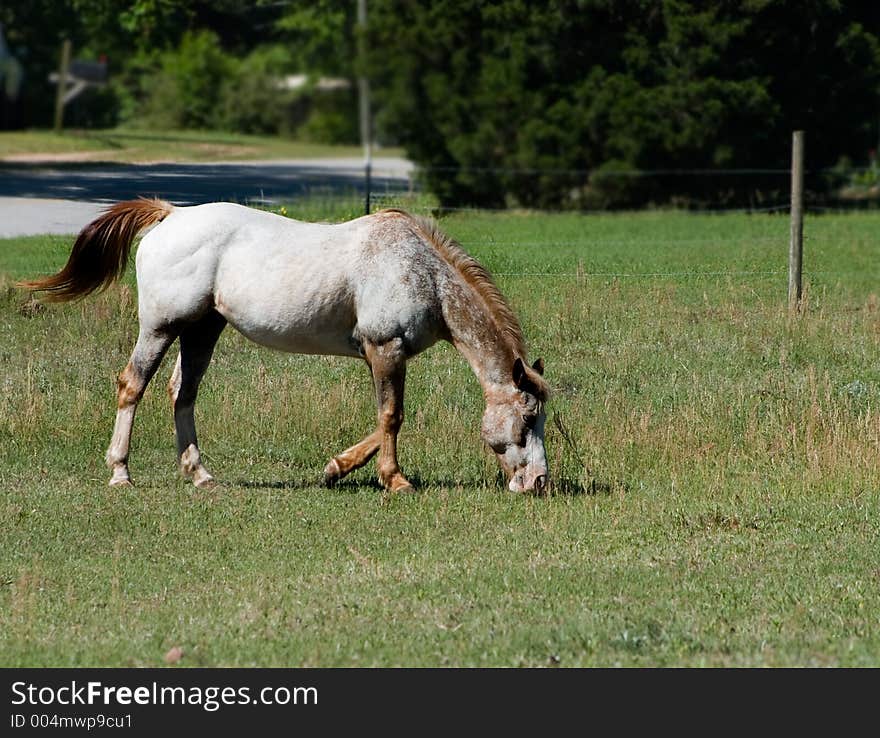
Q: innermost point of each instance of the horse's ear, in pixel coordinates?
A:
(519, 373)
(527, 379)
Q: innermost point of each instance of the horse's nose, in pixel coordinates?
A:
(541, 484)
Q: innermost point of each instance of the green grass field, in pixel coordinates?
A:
(715, 460)
(133, 145)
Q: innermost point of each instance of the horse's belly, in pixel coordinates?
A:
(300, 343)
(298, 323)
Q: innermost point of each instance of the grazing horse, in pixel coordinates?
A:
(383, 287)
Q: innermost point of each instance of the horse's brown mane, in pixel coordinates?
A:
(478, 277)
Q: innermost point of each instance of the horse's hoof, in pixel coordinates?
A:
(399, 485)
(206, 482)
(332, 473)
(121, 477)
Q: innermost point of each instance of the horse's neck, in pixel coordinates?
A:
(477, 337)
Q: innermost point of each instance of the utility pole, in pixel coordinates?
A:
(364, 99)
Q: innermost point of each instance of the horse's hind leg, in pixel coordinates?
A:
(145, 359)
(197, 343)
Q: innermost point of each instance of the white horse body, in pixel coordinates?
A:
(383, 287)
(293, 286)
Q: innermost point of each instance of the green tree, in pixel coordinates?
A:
(320, 35)
(131, 34)
(485, 93)
(185, 93)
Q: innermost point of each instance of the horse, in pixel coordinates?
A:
(382, 288)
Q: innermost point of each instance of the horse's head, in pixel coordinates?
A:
(513, 426)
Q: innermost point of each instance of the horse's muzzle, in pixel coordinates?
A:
(537, 483)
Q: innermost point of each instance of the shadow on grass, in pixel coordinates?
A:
(352, 486)
(170, 137)
(558, 488)
(567, 487)
(108, 142)
(574, 487)
(345, 486)
(349, 486)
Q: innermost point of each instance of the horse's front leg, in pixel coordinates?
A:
(352, 458)
(388, 364)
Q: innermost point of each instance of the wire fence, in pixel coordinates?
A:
(687, 274)
(752, 190)
(409, 193)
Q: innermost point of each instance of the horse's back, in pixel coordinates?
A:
(295, 286)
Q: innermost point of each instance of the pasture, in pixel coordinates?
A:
(714, 462)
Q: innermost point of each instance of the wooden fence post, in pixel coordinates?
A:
(796, 245)
(62, 85)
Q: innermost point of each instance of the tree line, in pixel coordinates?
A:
(547, 104)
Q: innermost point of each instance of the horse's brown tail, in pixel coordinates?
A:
(100, 254)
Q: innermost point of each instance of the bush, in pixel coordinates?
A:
(333, 117)
(186, 92)
(252, 99)
(198, 86)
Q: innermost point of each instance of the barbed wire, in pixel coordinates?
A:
(695, 211)
(661, 172)
(382, 199)
(599, 211)
(411, 196)
(689, 274)
(842, 210)
(603, 172)
(628, 242)
(641, 274)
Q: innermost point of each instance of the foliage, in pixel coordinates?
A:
(508, 101)
(197, 83)
(184, 93)
(198, 86)
(333, 118)
(576, 84)
(321, 33)
(251, 99)
(133, 35)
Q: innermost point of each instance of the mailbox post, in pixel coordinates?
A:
(72, 78)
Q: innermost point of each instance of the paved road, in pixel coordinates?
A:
(54, 198)
(27, 216)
